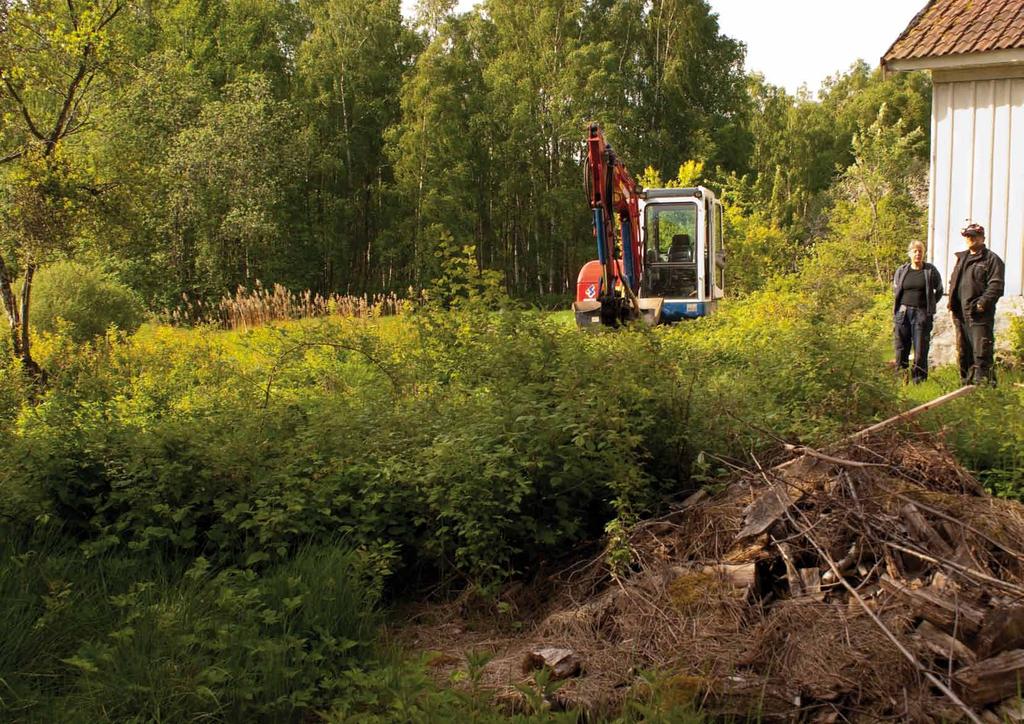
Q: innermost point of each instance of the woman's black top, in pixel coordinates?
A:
(914, 289)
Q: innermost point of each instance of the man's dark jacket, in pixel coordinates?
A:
(983, 276)
(932, 287)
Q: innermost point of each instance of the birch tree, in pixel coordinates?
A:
(54, 58)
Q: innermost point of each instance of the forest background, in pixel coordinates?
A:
(201, 522)
(189, 148)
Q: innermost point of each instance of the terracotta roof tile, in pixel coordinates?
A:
(947, 27)
(1001, 25)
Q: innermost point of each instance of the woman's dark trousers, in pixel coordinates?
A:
(912, 330)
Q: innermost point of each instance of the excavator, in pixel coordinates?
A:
(660, 252)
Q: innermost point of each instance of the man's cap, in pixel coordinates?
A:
(973, 230)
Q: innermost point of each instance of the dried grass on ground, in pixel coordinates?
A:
(751, 622)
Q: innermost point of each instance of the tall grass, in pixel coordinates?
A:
(250, 308)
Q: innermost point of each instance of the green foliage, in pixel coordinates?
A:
(879, 213)
(87, 299)
(1016, 335)
(473, 437)
(757, 251)
(226, 181)
(235, 645)
(986, 431)
(119, 637)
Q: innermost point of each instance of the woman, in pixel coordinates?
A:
(917, 286)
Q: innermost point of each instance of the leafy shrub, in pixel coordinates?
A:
(130, 638)
(986, 431)
(758, 251)
(87, 299)
(469, 439)
(1016, 336)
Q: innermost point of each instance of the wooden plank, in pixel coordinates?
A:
(951, 616)
(563, 663)
(944, 645)
(921, 529)
(992, 680)
(797, 477)
(912, 413)
(764, 511)
(1003, 630)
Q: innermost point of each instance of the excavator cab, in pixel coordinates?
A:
(683, 248)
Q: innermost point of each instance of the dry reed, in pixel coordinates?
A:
(250, 308)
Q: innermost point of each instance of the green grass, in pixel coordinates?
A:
(121, 637)
(984, 429)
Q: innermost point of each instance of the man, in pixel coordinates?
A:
(974, 287)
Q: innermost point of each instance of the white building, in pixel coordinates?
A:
(975, 52)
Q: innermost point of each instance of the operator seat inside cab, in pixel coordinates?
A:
(681, 249)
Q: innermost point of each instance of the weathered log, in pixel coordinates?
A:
(563, 663)
(795, 585)
(1003, 630)
(992, 680)
(742, 575)
(944, 645)
(956, 617)
(810, 579)
(921, 529)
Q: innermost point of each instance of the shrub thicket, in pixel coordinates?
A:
(127, 637)
(471, 441)
(87, 299)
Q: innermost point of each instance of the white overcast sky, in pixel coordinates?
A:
(793, 42)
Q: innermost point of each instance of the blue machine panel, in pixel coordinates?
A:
(677, 310)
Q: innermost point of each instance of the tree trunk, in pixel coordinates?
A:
(11, 307)
(17, 317)
(35, 372)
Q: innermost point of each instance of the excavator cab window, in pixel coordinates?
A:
(671, 240)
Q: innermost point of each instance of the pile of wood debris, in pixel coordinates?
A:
(875, 580)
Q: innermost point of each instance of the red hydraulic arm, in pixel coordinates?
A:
(614, 196)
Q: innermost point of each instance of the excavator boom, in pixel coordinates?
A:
(613, 196)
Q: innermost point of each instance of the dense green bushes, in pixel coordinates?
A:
(135, 637)
(88, 300)
(468, 441)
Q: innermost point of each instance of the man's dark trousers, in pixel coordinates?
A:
(975, 337)
(913, 330)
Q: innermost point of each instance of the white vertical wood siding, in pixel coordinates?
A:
(977, 171)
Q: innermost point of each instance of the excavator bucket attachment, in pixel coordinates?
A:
(650, 309)
(588, 313)
(616, 311)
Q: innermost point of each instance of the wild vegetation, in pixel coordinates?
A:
(209, 513)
